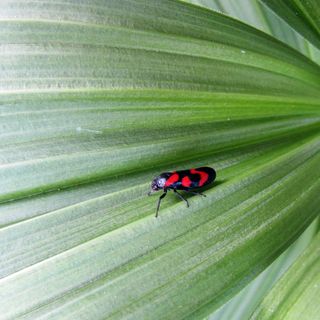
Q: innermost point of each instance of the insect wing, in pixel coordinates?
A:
(173, 180)
(196, 178)
(206, 175)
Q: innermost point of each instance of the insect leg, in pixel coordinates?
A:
(160, 198)
(181, 197)
(198, 193)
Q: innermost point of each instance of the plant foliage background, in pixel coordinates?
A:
(98, 97)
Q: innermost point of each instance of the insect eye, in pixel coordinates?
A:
(161, 182)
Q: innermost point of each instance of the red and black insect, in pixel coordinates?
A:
(186, 180)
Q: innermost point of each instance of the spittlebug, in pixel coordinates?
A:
(186, 180)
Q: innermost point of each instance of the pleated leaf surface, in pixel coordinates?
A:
(97, 98)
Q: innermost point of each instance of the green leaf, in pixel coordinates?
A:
(257, 14)
(295, 296)
(301, 15)
(97, 98)
(243, 305)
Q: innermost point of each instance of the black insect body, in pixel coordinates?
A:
(186, 180)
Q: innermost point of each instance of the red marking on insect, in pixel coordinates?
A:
(172, 179)
(203, 176)
(186, 180)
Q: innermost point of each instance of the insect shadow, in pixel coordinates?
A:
(200, 191)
